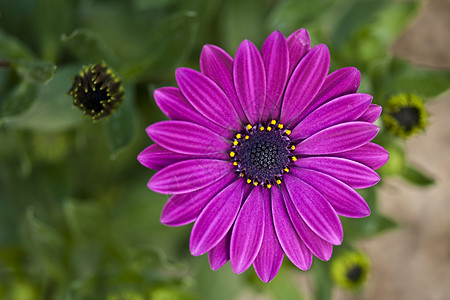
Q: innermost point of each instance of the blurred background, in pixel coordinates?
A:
(76, 218)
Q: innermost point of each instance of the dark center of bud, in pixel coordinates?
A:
(262, 154)
(407, 117)
(94, 98)
(354, 273)
(97, 91)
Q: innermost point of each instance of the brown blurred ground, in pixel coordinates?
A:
(413, 262)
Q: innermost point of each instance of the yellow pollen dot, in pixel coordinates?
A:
(280, 126)
(261, 128)
(235, 163)
(273, 122)
(268, 186)
(238, 136)
(242, 175)
(249, 180)
(247, 137)
(278, 181)
(235, 143)
(292, 147)
(269, 128)
(232, 154)
(286, 170)
(249, 126)
(255, 183)
(288, 132)
(294, 158)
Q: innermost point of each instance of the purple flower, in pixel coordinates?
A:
(263, 152)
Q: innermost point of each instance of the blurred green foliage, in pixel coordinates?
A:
(76, 218)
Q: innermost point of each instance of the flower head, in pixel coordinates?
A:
(405, 115)
(97, 91)
(351, 270)
(263, 152)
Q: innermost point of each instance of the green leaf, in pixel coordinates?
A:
(35, 71)
(288, 15)
(416, 176)
(282, 287)
(11, 48)
(42, 232)
(367, 227)
(385, 223)
(53, 109)
(18, 100)
(54, 18)
(353, 15)
(163, 53)
(236, 15)
(322, 280)
(406, 78)
(391, 23)
(122, 125)
(84, 219)
(88, 47)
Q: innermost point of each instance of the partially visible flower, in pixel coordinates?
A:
(405, 115)
(350, 270)
(263, 152)
(97, 91)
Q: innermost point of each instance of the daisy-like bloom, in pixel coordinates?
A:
(97, 91)
(351, 270)
(263, 152)
(405, 115)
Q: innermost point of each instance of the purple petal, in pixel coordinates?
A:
(370, 154)
(218, 65)
(315, 210)
(342, 109)
(182, 209)
(250, 80)
(294, 248)
(188, 138)
(338, 138)
(345, 200)
(220, 254)
(173, 104)
(298, 44)
(189, 175)
(275, 55)
(318, 246)
(339, 83)
(371, 114)
(216, 219)
(207, 98)
(305, 82)
(354, 174)
(270, 256)
(248, 231)
(156, 157)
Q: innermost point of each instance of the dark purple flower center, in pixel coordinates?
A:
(262, 154)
